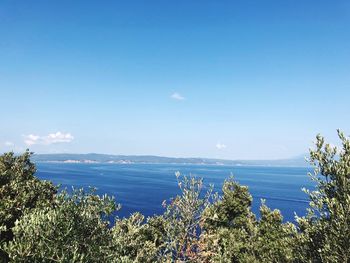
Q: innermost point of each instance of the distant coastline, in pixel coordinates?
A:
(92, 158)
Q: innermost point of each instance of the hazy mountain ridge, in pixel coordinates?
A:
(108, 158)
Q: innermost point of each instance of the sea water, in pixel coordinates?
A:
(143, 187)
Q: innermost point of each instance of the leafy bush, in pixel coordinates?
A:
(231, 232)
(72, 230)
(20, 191)
(183, 216)
(325, 231)
(137, 241)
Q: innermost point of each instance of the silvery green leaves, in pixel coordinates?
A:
(325, 231)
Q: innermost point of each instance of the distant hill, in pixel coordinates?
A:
(107, 158)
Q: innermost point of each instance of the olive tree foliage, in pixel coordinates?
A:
(228, 225)
(135, 240)
(73, 230)
(231, 232)
(274, 240)
(183, 217)
(20, 191)
(325, 231)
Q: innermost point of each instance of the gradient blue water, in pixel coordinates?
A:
(143, 187)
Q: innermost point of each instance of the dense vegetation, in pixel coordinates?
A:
(40, 224)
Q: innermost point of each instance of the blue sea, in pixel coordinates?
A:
(143, 187)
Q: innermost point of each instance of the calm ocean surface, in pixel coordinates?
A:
(143, 187)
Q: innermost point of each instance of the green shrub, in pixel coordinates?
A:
(325, 231)
(20, 191)
(231, 233)
(70, 231)
(183, 217)
(137, 241)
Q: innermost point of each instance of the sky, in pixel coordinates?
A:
(185, 78)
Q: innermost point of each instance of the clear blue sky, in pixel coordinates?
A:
(226, 79)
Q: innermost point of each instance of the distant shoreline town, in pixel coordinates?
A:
(148, 159)
(89, 161)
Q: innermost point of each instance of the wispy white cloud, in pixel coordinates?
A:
(59, 137)
(220, 146)
(9, 144)
(31, 139)
(51, 138)
(177, 96)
